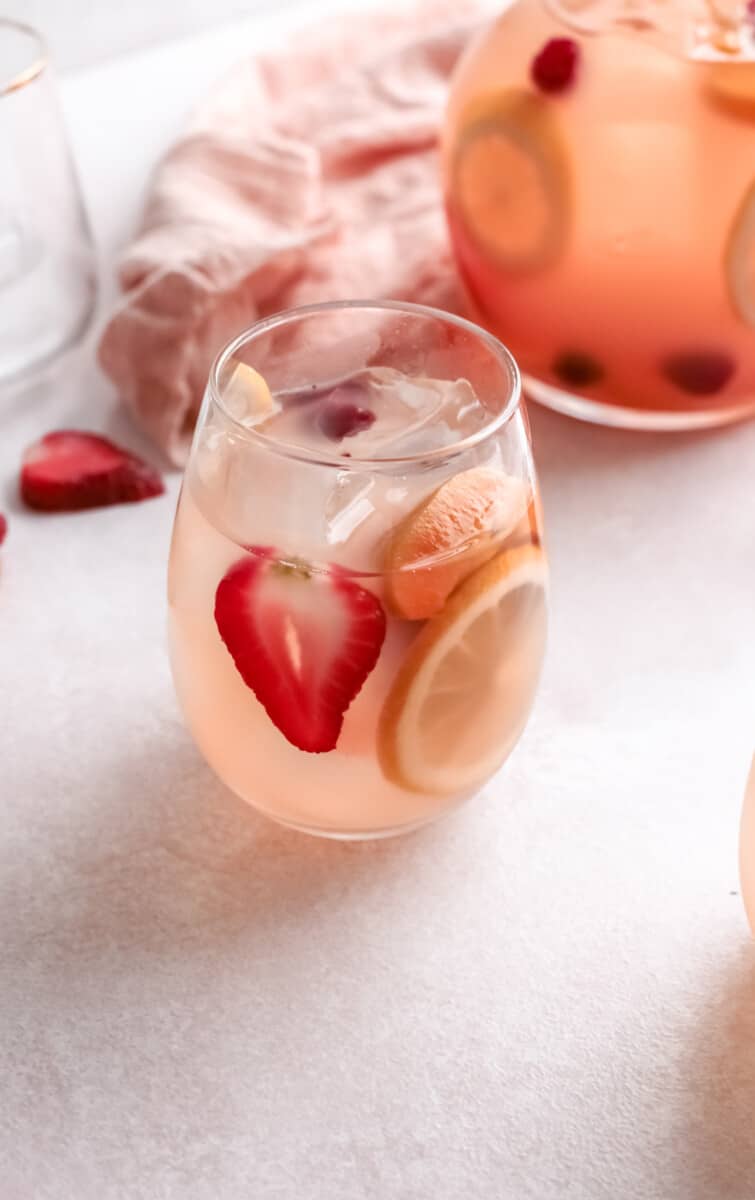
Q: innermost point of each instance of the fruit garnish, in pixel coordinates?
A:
(450, 534)
(69, 470)
(554, 69)
(701, 373)
(3, 528)
(577, 369)
(732, 85)
(510, 179)
(528, 527)
(344, 413)
(303, 640)
(463, 693)
(739, 259)
(247, 397)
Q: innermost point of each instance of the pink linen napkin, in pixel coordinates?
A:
(310, 175)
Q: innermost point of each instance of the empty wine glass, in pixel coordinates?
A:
(47, 262)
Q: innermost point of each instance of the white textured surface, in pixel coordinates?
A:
(550, 996)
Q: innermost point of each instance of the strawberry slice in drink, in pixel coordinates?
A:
(303, 640)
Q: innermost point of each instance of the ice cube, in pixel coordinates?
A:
(360, 511)
(348, 505)
(414, 414)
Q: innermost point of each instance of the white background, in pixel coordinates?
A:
(81, 32)
(549, 996)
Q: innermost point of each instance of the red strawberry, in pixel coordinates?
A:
(3, 528)
(69, 470)
(344, 413)
(304, 641)
(339, 421)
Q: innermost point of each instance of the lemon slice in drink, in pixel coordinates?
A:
(247, 397)
(739, 259)
(463, 694)
(510, 179)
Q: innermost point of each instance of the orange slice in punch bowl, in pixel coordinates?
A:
(732, 84)
(451, 533)
(739, 259)
(510, 179)
(464, 691)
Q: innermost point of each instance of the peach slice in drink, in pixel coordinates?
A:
(458, 528)
(510, 179)
(463, 693)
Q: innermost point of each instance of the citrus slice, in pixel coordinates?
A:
(510, 179)
(463, 693)
(458, 528)
(739, 259)
(247, 397)
(732, 83)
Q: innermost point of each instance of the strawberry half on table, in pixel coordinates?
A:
(304, 641)
(69, 470)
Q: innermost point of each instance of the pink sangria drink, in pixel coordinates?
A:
(357, 586)
(600, 190)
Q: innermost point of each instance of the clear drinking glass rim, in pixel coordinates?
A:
(36, 65)
(351, 461)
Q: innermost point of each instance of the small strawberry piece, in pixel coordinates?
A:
(70, 470)
(554, 69)
(3, 528)
(702, 373)
(345, 420)
(304, 641)
(343, 412)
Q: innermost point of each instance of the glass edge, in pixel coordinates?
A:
(340, 461)
(38, 63)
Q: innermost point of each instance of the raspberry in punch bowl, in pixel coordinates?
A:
(357, 583)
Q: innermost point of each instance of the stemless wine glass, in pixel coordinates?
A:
(357, 585)
(47, 264)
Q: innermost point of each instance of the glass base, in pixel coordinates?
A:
(361, 835)
(621, 417)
